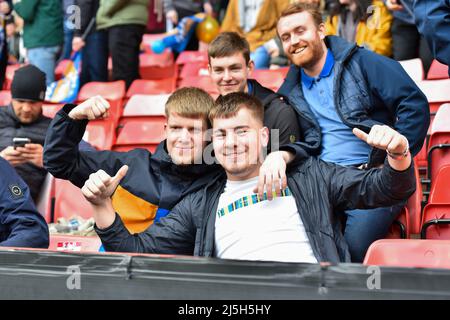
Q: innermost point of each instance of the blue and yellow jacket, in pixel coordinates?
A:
(152, 186)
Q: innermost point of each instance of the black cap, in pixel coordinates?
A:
(28, 84)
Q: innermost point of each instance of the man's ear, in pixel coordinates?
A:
(209, 69)
(250, 67)
(322, 31)
(264, 136)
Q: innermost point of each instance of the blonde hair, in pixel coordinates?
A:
(189, 102)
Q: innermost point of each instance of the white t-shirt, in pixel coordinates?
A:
(249, 229)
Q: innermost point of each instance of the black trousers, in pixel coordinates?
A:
(409, 44)
(124, 42)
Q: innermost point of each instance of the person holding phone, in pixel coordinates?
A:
(23, 119)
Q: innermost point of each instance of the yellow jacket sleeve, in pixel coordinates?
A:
(379, 25)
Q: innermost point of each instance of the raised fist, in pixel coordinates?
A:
(93, 108)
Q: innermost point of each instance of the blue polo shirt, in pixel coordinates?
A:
(339, 144)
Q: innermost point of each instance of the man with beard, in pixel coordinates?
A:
(340, 86)
(23, 118)
(227, 220)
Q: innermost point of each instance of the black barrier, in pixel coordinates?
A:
(54, 275)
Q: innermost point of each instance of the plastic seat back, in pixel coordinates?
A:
(436, 221)
(5, 97)
(142, 86)
(146, 105)
(414, 68)
(409, 253)
(69, 201)
(437, 71)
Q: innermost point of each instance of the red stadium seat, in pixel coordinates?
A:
(414, 68)
(437, 71)
(145, 132)
(194, 69)
(440, 192)
(141, 86)
(5, 98)
(400, 228)
(50, 109)
(109, 90)
(114, 92)
(436, 91)
(272, 79)
(436, 221)
(410, 253)
(101, 133)
(157, 66)
(69, 201)
(202, 82)
(146, 105)
(9, 75)
(421, 158)
(439, 142)
(414, 206)
(44, 200)
(59, 242)
(187, 57)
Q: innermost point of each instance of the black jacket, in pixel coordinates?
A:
(278, 114)
(152, 186)
(10, 127)
(319, 189)
(88, 11)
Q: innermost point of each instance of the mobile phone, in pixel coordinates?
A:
(20, 142)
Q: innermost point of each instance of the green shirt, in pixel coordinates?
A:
(121, 12)
(43, 22)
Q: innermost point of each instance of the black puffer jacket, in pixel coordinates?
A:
(319, 189)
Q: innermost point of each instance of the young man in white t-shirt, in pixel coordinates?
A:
(228, 220)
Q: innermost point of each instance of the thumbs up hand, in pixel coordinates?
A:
(100, 186)
(384, 138)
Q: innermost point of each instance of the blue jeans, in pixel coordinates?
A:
(95, 58)
(45, 59)
(261, 58)
(366, 226)
(68, 36)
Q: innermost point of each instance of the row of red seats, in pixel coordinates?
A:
(433, 221)
(414, 68)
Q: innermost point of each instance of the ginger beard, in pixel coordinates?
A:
(302, 40)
